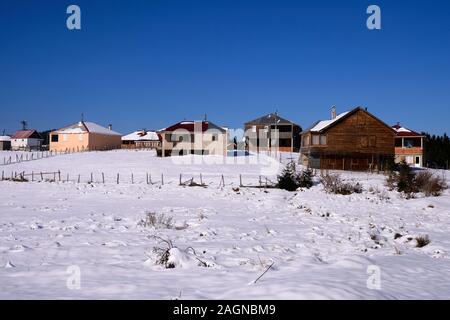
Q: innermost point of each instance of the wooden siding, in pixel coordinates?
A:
(357, 142)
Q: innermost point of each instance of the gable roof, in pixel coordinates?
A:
(26, 134)
(270, 119)
(190, 126)
(141, 135)
(321, 126)
(86, 126)
(405, 132)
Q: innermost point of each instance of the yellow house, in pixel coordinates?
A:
(84, 136)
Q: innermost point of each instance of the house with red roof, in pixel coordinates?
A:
(26, 139)
(408, 146)
(193, 137)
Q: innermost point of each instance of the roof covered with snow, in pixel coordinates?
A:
(405, 132)
(141, 135)
(326, 123)
(86, 126)
(5, 138)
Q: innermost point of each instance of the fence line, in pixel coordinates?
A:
(58, 176)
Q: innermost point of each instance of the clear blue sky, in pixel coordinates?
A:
(151, 63)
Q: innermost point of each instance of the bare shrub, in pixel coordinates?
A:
(333, 183)
(409, 183)
(422, 241)
(430, 184)
(155, 220)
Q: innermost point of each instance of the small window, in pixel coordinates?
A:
(323, 139)
(55, 138)
(417, 160)
(214, 137)
(315, 139)
(306, 141)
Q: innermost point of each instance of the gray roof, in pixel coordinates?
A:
(270, 119)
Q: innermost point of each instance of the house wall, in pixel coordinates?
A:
(358, 142)
(26, 144)
(202, 144)
(104, 141)
(5, 145)
(258, 141)
(84, 141)
(70, 141)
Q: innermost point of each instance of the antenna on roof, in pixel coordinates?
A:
(205, 117)
(24, 124)
(82, 117)
(3, 132)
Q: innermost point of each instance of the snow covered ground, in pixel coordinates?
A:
(321, 245)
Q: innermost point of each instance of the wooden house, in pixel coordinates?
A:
(408, 146)
(353, 140)
(271, 132)
(141, 139)
(26, 139)
(84, 136)
(193, 137)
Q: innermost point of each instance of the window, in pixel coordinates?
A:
(417, 160)
(306, 141)
(214, 137)
(315, 139)
(398, 142)
(55, 138)
(323, 139)
(364, 142)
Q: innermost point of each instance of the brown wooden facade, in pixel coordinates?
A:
(356, 140)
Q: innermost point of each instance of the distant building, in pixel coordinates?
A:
(408, 146)
(193, 137)
(5, 143)
(261, 137)
(141, 139)
(26, 140)
(84, 136)
(353, 140)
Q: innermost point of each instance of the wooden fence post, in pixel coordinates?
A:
(79, 178)
(42, 176)
(103, 178)
(59, 175)
(117, 178)
(201, 179)
(180, 179)
(240, 180)
(92, 177)
(162, 178)
(132, 179)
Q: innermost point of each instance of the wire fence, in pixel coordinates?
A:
(186, 180)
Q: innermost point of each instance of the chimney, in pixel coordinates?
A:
(333, 112)
(109, 126)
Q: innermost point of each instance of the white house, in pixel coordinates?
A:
(26, 140)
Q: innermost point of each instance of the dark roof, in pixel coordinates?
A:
(331, 123)
(405, 132)
(26, 134)
(270, 119)
(190, 125)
